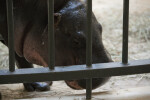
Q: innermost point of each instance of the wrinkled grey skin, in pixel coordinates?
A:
(31, 37)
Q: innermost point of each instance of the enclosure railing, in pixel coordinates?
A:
(88, 71)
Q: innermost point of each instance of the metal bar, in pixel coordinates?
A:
(88, 89)
(125, 31)
(89, 34)
(89, 47)
(75, 72)
(10, 23)
(51, 40)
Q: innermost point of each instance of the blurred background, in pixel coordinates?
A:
(110, 14)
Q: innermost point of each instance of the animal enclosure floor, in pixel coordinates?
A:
(141, 93)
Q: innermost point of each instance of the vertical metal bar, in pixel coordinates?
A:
(10, 23)
(89, 48)
(88, 89)
(51, 40)
(89, 34)
(125, 31)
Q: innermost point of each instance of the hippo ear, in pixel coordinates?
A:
(57, 18)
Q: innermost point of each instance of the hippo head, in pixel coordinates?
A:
(71, 32)
(70, 40)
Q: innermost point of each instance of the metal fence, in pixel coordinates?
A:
(88, 71)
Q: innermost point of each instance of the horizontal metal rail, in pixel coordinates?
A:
(74, 72)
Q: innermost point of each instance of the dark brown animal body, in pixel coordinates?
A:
(31, 37)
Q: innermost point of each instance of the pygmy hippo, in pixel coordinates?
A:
(31, 37)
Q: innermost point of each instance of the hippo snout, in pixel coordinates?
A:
(81, 84)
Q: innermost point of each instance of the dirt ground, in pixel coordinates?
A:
(109, 14)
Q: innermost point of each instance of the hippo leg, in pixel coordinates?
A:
(0, 96)
(36, 86)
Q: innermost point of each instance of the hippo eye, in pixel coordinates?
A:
(79, 32)
(76, 41)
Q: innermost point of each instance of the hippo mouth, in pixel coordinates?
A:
(74, 84)
(81, 84)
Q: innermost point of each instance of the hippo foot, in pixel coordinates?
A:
(37, 86)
